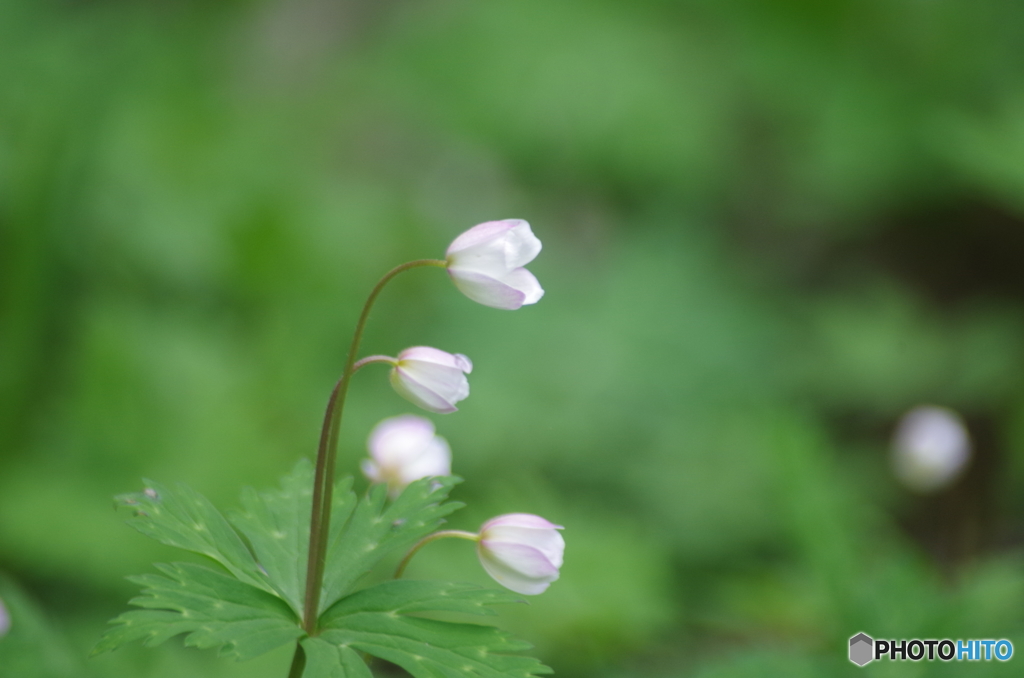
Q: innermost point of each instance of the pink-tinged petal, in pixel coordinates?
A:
(5, 620)
(432, 355)
(435, 459)
(403, 450)
(525, 282)
(372, 471)
(399, 440)
(520, 568)
(480, 234)
(521, 246)
(487, 290)
(419, 395)
(448, 382)
(486, 264)
(549, 542)
(501, 251)
(463, 362)
(520, 520)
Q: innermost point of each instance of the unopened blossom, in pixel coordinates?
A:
(930, 449)
(486, 264)
(5, 620)
(431, 378)
(404, 449)
(521, 551)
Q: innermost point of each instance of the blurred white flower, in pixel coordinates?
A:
(930, 448)
(431, 378)
(404, 449)
(486, 264)
(521, 551)
(5, 620)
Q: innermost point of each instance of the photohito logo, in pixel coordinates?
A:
(864, 649)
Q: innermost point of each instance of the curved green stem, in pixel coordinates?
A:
(458, 534)
(323, 483)
(373, 359)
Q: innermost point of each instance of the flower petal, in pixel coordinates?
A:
(494, 248)
(547, 541)
(487, 290)
(436, 355)
(418, 394)
(521, 245)
(523, 281)
(480, 234)
(448, 382)
(399, 440)
(435, 459)
(520, 520)
(372, 471)
(517, 567)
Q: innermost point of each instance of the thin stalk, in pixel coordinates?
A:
(298, 663)
(442, 534)
(323, 483)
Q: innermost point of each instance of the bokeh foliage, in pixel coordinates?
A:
(770, 228)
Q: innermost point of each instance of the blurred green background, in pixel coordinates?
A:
(770, 227)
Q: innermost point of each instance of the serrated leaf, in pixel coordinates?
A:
(405, 597)
(324, 660)
(276, 523)
(215, 609)
(187, 520)
(373, 530)
(376, 621)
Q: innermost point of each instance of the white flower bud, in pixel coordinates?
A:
(404, 449)
(431, 378)
(521, 551)
(930, 448)
(486, 264)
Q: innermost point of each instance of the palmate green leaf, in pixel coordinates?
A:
(276, 525)
(256, 604)
(324, 660)
(214, 609)
(372, 531)
(377, 621)
(186, 519)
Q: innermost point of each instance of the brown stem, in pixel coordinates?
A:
(323, 482)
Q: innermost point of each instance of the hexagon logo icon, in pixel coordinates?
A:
(862, 649)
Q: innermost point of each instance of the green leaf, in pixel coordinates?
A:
(186, 519)
(215, 609)
(256, 606)
(376, 621)
(361, 538)
(324, 660)
(276, 523)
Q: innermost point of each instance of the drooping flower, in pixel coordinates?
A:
(521, 551)
(486, 264)
(404, 449)
(930, 449)
(431, 378)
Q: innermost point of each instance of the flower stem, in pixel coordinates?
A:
(298, 663)
(372, 359)
(323, 483)
(458, 534)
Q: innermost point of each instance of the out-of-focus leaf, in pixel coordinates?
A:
(216, 610)
(186, 519)
(276, 523)
(374, 530)
(376, 621)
